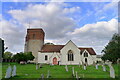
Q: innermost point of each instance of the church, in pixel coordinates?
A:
(68, 54)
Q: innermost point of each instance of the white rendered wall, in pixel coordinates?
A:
(90, 58)
(64, 54)
(41, 57)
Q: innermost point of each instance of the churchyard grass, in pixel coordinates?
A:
(29, 71)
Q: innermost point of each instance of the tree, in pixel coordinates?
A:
(7, 55)
(29, 56)
(23, 56)
(112, 50)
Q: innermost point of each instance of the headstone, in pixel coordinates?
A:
(36, 67)
(118, 61)
(40, 65)
(48, 75)
(73, 72)
(96, 66)
(112, 72)
(79, 64)
(8, 72)
(84, 67)
(14, 71)
(104, 68)
(76, 75)
(66, 68)
(42, 76)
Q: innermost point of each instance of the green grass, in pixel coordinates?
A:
(57, 71)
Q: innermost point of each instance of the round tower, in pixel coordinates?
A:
(34, 41)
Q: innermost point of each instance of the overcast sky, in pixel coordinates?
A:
(87, 24)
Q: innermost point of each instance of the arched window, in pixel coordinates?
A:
(85, 54)
(70, 56)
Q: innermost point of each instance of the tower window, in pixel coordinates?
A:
(46, 57)
(70, 56)
(85, 54)
(33, 36)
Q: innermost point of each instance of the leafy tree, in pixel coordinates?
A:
(23, 56)
(112, 50)
(7, 55)
(29, 56)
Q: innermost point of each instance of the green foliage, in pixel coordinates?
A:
(23, 56)
(112, 50)
(7, 55)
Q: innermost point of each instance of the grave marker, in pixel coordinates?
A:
(36, 67)
(42, 76)
(14, 71)
(112, 72)
(48, 75)
(66, 68)
(8, 72)
(84, 67)
(104, 68)
(73, 71)
(96, 66)
(76, 75)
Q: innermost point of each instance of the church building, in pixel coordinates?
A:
(68, 54)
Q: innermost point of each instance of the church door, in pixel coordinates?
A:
(55, 61)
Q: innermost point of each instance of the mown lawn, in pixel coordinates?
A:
(56, 71)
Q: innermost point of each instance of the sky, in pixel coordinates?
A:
(87, 24)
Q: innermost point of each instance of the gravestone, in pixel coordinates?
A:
(79, 64)
(42, 76)
(40, 65)
(112, 72)
(14, 71)
(73, 72)
(8, 72)
(118, 61)
(48, 75)
(96, 66)
(104, 68)
(76, 75)
(84, 67)
(36, 66)
(66, 68)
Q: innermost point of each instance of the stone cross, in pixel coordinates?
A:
(104, 68)
(8, 72)
(14, 71)
(66, 68)
(96, 66)
(73, 71)
(48, 75)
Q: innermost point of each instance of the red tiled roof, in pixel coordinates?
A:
(52, 48)
(57, 48)
(90, 50)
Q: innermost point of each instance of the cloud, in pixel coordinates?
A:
(58, 26)
(13, 36)
(104, 28)
(51, 16)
